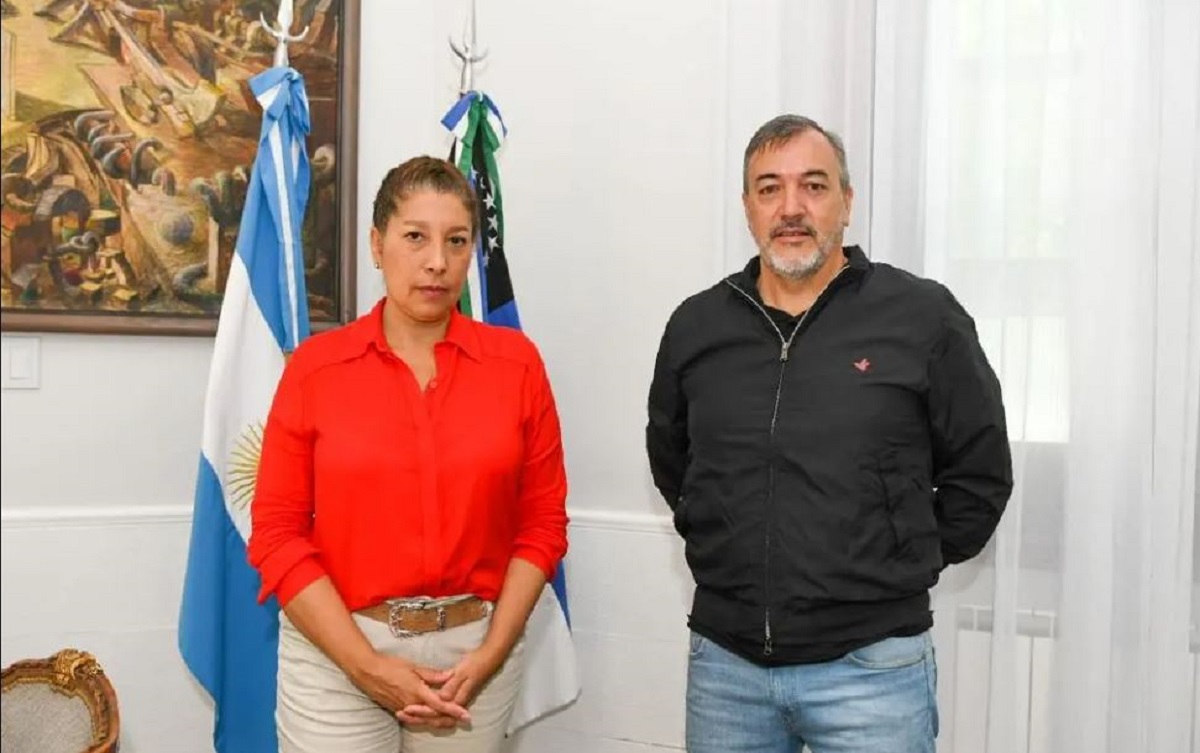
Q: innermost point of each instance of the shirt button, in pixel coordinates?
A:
(433, 384)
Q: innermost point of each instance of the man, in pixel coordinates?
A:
(829, 436)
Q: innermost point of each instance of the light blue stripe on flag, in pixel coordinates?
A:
(275, 202)
(227, 639)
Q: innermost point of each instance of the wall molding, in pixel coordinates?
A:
(622, 522)
(52, 516)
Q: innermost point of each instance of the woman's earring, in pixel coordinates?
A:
(376, 264)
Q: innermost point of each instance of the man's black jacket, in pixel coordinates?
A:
(822, 474)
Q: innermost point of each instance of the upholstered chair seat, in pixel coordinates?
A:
(62, 704)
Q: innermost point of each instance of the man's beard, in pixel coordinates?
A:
(805, 266)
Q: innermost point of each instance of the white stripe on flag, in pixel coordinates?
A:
(285, 219)
(267, 98)
(474, 286)
(246, 367)
(296, 142)
(460, 128)
(497, 127)
(551, 677)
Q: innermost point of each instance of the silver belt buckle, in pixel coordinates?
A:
(397, 608)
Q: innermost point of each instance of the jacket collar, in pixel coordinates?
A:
(857, 265)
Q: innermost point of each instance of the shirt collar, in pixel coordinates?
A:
(462, 332)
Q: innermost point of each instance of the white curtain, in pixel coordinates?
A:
(1042, 158)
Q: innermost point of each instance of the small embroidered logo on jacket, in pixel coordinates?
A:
(862, 365)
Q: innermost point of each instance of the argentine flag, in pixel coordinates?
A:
(551, 679)
(227, 639)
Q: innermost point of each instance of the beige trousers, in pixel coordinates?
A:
(318, 709)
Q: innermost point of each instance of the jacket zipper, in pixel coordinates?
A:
(785, 348)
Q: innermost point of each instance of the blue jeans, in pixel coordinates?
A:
(878, 699)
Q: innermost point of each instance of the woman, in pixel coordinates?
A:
(410, 500)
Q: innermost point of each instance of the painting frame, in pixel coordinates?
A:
(98, 322)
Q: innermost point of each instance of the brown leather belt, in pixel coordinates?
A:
(416, 616)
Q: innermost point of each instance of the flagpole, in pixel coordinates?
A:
(469, 53)
(282, 31)
(550, 681)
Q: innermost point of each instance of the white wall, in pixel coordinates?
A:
(106, 579)
(621, 115)
(610, 179)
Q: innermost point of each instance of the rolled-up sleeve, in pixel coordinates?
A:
(281, 513)
(542, 533)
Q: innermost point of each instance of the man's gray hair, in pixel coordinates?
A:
(781, 129)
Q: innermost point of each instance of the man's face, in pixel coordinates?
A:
(795, 205)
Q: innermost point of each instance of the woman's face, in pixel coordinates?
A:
(424, 254)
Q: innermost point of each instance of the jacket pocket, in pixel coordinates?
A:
(909, 507)
(884, 479)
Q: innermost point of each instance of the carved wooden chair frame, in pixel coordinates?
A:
(75, 673)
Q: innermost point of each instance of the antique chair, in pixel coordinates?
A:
(62, 704)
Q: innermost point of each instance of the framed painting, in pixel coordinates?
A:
(129, 131)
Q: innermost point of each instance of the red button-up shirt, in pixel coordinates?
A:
(395, 492)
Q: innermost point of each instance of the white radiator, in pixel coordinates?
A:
(964, 723)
